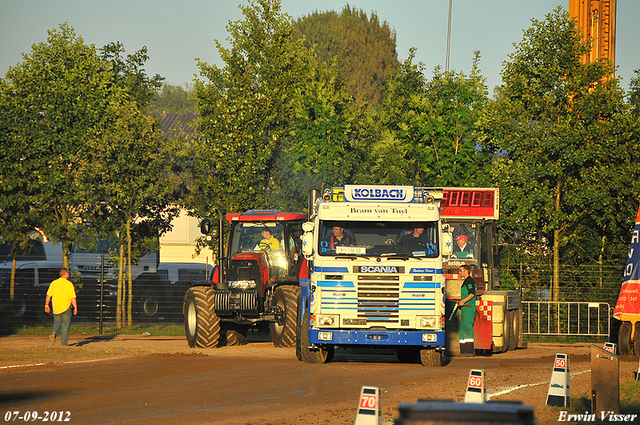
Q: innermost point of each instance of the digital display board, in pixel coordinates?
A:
(470, 203)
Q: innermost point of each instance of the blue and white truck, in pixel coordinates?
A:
(375, 278)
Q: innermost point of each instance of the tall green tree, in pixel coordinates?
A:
(364, 49)
(129, 179)
(557, 126)
(53, 104)
(424, 131)
(270, 100)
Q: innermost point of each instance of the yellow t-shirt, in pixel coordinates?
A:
(268, 245)
(61, 292)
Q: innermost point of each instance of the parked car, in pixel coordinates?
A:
(32, 281)
(161, 294)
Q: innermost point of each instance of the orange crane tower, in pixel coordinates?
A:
(597, 19)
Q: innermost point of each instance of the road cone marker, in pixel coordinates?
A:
(476, 392)
(610, 347)
(559, 393)
(369, 410)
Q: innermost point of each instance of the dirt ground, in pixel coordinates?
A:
(160, 380)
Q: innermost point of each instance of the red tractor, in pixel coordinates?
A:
(256, 281)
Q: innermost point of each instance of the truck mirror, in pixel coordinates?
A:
(447, 243)
(205, 226)
(307, 243)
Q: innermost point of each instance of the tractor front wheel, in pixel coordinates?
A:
(201, 324)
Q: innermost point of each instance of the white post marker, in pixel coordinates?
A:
(369, 410)
(476, 392)
(638, 372)
(610, 347)
(559, 393)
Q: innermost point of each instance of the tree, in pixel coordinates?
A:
(424, 130)
(318, 151)
(557, 127)
(173, 99)
(53, 103)
(259, 108)
(364, 49)
(634, 93)
(130, 194)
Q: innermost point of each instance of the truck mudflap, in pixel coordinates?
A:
(377, 337)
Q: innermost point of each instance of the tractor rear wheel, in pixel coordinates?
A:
(232, 334)
(201, 324)
(286, 298)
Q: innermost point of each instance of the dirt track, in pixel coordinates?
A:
(148, 380)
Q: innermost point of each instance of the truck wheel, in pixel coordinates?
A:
(286, 298)
(624, 339)
(201, 324)
(430, 357)
(322, 355)
(150, 305)
(18, 306)
(506, 332)
(513, 334)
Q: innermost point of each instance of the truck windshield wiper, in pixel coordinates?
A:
(350, 257)
(401, 257)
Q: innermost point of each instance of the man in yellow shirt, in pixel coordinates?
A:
(62, 295)
(268, 242)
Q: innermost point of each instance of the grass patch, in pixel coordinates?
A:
(107, 329)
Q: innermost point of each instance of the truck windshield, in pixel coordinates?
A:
(367, 238)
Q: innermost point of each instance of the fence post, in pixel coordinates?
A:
(101, 293)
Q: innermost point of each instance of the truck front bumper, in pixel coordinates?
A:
(377, 337)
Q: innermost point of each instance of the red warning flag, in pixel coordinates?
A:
(628, 305)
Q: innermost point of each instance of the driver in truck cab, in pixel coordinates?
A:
(339, 237)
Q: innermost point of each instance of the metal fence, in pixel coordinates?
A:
(550, 318)
(153, 304)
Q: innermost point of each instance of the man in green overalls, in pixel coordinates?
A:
(467, 306)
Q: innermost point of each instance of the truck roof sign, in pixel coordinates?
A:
(403, 194)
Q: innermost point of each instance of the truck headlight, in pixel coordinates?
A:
(242, 284)
(326, 320)
(427, 322)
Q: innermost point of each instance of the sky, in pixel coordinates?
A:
(177, 32)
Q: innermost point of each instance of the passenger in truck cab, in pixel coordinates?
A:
(268, 242)
(414, 241)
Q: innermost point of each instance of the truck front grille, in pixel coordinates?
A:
(378, 298)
